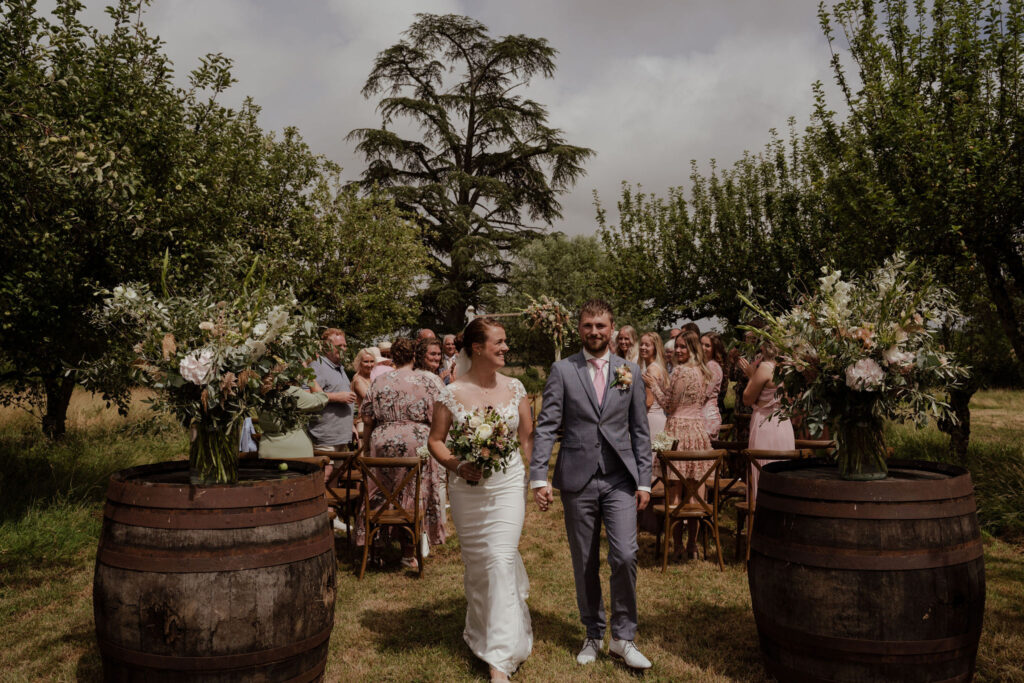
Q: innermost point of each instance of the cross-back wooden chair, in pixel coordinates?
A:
(756, 459)
(343, 486)
(648, 519)
(389, 511)
(821, 447)
(693, 504)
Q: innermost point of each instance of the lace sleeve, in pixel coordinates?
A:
(446, 398)
(711, 393)
(662, 390)
(518, 392)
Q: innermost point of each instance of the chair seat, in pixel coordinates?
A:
(688, 510)
(744, 506)
(732, 487)
(395, 517)
(340, 492)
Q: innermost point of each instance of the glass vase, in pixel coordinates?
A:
(212, 454)
(862, 450)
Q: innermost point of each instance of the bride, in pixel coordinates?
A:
(489, 516)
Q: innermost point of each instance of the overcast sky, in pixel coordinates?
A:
(647, 85)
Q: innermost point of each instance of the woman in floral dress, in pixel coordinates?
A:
(396, 415)
(683, 398)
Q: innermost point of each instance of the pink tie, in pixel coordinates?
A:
(598, 364)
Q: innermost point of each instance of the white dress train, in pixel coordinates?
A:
(489, 520)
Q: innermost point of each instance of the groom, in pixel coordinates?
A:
(603, 473)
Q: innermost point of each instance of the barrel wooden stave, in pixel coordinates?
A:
(264, 613)
(908, 606)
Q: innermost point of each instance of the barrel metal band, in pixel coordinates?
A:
(812, 641)
(866, 510)
(215, 662)
(232, 518)
(786, 673)
(954, 485)
(177, 561)
(866, 559)
(313, 674)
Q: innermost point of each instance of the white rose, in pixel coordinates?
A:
(130, 294)
(259, 330)
(864, 375)
(484, 432)
(475, 421)
(119, 291)
(206, 325)
(196, 366)
(893, 356)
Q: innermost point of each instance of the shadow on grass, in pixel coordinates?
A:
(423, 626)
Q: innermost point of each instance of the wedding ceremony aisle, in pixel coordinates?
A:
(696, 622)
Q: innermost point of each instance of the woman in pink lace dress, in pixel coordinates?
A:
(767, 431)
(683, 398)
(652, 362)
(396, 414)
(714, 356)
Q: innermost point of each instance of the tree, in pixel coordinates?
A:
(106, 167)
(758, 223)
(930, 157)
(484, 172)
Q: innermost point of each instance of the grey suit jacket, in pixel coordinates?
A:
(619, 423)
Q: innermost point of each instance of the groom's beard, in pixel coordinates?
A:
(595, 346)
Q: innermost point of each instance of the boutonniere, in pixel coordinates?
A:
(623, 378)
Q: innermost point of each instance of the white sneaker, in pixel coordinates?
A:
(588, 654)
(424, 546)
(340, 526)
(627, 652)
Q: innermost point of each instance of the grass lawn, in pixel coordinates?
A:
(695, 622)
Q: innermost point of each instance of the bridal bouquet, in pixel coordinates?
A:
(859, 351)
(212, 363)
(483, 438)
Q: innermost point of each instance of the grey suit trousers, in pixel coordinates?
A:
(610, 499)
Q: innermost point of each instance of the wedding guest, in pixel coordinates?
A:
(714, 357)
(741, 374)
(767, 431)
(333, 429)
(294, 443)
(424, 333)
(692, 327)
(625, 344)
(652, 361)
(384, 364)
(448, 359)
(718, 354)
(427, 360)
(683, 398)
(363, 364)
(396, 414)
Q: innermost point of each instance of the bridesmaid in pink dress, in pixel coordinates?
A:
(683, 398)
(767, 432)
(652, 360)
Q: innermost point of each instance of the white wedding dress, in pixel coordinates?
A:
(489, 520)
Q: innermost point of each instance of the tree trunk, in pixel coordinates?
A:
(1003, 302)
(960, 430)
(58, 396)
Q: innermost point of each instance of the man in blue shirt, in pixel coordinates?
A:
(333, 429)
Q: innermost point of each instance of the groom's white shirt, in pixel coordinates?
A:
(591, 370)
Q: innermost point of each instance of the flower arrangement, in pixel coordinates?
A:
(860, 351)
(662, 441)
(551, 318)
(483, 439)
(212, 363)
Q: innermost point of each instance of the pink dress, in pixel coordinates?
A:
(768, 433)
(683, 399)
(402, 403)
(656, 418)
(712, 418)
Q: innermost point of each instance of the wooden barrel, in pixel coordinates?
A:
(867, 581)
(217, 583)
